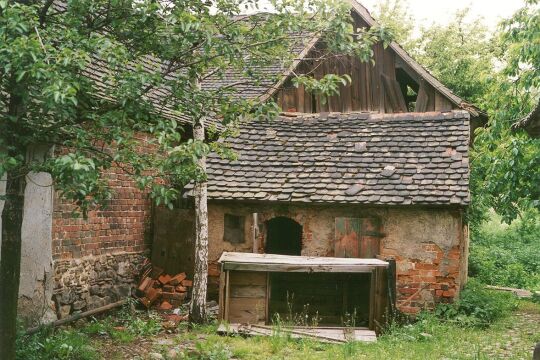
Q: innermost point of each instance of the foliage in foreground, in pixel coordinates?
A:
(477, 306)
(56, 345)
(507, 255)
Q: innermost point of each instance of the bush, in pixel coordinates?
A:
(507, 255)
(478, 306)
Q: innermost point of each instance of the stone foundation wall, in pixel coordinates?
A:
(428, 244)
(93, 281)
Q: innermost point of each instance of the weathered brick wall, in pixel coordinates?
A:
(96, 260)
(428, 244)
(122, 225)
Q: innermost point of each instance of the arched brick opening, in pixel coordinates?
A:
(283, 236)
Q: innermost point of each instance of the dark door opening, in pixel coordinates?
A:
(283, 236)
(332, 299)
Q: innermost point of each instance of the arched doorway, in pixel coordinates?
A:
(283, 236)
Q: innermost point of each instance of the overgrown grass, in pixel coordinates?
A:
(507, 255)
(125, 325)
(430, 337)
(58, 345)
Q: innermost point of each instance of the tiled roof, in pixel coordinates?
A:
(361, 158)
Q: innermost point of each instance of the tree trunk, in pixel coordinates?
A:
(10, 263)
(197, 311)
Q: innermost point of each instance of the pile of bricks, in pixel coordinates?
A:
(160, 290)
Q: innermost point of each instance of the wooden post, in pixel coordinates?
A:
(227, 298)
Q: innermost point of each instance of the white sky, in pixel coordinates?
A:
(427, 12)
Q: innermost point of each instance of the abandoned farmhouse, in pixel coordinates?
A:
(380, 172)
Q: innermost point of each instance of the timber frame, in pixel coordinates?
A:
(245, 283)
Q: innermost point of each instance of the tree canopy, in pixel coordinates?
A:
(90, 80)
(498, 72)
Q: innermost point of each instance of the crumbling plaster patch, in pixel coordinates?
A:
(35, 288)
(427, 243)
(405, 229)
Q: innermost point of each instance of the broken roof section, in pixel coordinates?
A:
(273, 76)
(355, 158)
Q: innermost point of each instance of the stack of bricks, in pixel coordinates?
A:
(162, 290)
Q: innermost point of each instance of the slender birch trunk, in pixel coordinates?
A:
(197, 311)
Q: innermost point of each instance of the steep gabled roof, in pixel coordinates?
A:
(423, 73)
(419, 69)
(355, 158)
(275, 74)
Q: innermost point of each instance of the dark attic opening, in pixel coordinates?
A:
(284, 236)
(314, 299)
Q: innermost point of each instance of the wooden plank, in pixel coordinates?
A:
(442, 103)
(372, 289)
(222, 298)
(320, 70)
(347, 237)
(393, 95)
(247, 310)
(300, 93)
(345, 91)
(380, 304)
(375, 80)
(230, 257)
(300, 268)
(174, 237)
(366, 96)
(333, 67)
(227, 298)
(247, 278)
(371, 238)
(379, 69)
(248, 291)
(334, 335)
(357, 78)
(267, 299)
(389, 65)
(422, 99)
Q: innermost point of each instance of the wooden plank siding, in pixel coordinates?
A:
(357, 237)
(367, 91)
(247, 297)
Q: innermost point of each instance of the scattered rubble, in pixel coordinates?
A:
(162, 291)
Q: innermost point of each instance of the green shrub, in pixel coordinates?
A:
(507, 255)
(478, 306)
(58, 345)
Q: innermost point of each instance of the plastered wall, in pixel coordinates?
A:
(429, 244)
(36, 282)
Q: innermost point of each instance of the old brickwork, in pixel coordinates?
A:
(427, 243)
(96, 259)
(119, 227)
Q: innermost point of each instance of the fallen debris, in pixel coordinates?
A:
(521, 293)
(323, 334)
(160, 290)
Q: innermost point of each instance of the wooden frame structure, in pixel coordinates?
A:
(245, 282)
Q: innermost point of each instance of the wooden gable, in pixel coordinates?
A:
(394, 83)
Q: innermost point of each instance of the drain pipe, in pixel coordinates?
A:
(255, 229)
